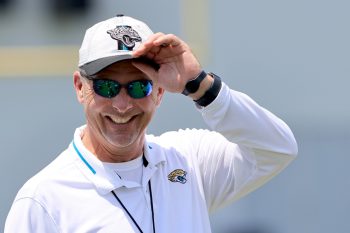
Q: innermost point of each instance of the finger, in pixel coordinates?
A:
(167, 40)
(147, 45)
(156, 42)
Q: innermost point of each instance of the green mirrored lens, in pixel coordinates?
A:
(110, 88)
(139, 89)
(106, 88)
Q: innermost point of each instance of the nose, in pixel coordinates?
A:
(122, 102)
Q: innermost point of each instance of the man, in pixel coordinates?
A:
(115, 178)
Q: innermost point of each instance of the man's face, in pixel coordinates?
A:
(119, 122)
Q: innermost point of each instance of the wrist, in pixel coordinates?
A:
(210, 93)
(193, 85)
(203, 88)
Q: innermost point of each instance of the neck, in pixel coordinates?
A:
(109, 153)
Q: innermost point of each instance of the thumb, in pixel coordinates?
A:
(146, 69)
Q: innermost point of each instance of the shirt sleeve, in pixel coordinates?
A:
(29, 216)
(250, 147)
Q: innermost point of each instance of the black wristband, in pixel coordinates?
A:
(210, 95)
(193, 85)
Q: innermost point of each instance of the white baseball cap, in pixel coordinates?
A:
(110, 41)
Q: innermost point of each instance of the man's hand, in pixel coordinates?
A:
(177, 63)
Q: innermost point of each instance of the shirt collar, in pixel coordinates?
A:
(105, 179)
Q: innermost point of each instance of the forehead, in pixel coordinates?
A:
(122, 70)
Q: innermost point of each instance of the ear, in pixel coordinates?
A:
(159, 96)
(78, 85)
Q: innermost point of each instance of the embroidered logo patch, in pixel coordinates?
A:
(126, 37)
(178, 175)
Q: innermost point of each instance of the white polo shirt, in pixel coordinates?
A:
(192, 172)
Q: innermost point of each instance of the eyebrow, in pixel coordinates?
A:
(142, 76)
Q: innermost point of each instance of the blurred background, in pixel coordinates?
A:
(292, 57)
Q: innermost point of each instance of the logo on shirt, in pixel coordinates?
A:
(126, 37)
(178, 175)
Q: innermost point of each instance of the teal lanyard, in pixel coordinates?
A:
(83, 159)
(145, 163)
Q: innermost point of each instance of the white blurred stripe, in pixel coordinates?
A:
(38, 61)
(195, 23)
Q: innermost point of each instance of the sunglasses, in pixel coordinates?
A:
(109, 88)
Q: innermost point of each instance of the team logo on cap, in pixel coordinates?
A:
(178, 175)
(126, 37)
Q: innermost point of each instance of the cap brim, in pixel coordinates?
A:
(94, 67)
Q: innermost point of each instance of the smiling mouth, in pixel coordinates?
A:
(120, 120)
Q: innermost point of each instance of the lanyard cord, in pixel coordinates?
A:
(145, 163)
(150, 195)
(131, 217)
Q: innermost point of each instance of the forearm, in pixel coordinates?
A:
(241, 120)
(261, 146)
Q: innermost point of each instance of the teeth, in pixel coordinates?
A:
(120, 120)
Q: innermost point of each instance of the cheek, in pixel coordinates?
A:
(154, 100)
(88, 92)
(150, 103)
(89, 96)
(91, 103)
(147, 107)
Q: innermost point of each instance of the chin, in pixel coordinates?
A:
(122, 141)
